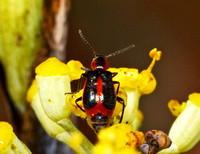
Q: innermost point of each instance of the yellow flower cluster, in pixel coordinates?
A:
(53, 104)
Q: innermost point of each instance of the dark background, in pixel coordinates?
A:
(171, 26)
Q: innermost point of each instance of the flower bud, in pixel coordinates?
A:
(53, 82)
(185, 131)
(9, 143)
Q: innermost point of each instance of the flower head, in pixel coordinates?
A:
(50, 95)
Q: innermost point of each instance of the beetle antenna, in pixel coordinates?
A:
(86, 42)
(120, 51)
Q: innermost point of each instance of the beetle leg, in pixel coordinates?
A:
(114, 74)
(121, 101)
(71, 92)
(116, 82)
(79, 99)
(80, 82)
(79, 85)
(85, 69)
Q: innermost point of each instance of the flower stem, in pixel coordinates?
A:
(67, 137)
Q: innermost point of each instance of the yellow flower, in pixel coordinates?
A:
(117, 139)
(135, 84)
(9, 143)
(53, 81)
(185, 131)
(47, 97)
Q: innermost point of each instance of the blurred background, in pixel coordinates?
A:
(171, 26)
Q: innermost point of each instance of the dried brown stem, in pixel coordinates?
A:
(56, 27)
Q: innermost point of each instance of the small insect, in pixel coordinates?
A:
(99, 95)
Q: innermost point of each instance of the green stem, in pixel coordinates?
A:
(85, 147)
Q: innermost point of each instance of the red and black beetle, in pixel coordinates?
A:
(99, 95)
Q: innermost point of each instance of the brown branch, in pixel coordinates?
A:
(56, 27)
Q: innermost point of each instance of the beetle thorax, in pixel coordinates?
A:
(99, 62)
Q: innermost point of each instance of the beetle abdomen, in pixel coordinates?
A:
(99, 121)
